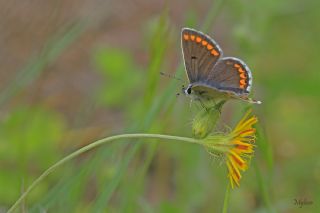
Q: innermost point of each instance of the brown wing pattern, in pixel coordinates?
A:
(231, 74)
(200, 54)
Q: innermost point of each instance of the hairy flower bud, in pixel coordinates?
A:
(205, 121)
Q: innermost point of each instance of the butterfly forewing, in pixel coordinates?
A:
(200, 53)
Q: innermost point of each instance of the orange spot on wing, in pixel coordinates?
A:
(214, 52)
(198, 39)
(204, 43)
(186, 37)
(241, 86)
(242, 82)
(192, 37)
(209, 47)
(242, 75)
(241, 70)
(237, 65)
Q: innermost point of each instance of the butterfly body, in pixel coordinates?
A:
(211, 75)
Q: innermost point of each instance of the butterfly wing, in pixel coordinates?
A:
(200, 53)
(229, 78)
(231, 74)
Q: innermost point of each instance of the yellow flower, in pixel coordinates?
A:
(237, 147)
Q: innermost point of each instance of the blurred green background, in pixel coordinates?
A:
(76, 71)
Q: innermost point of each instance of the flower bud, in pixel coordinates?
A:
(205, 121)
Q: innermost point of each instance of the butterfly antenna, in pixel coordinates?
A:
(171, 76)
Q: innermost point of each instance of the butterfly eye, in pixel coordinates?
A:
(189, 90)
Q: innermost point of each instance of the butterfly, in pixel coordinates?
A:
(212, 76)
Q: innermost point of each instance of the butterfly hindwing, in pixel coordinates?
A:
(200, 53)
(230, 74)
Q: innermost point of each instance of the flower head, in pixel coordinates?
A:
(236, 147)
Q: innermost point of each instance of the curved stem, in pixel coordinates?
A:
(91, 146)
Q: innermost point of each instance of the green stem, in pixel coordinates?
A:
(91, 146)
(226, 199)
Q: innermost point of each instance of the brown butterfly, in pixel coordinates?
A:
(212, 76)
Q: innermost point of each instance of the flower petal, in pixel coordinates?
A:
(231, 181)
(247, 132)
(237, 161)
(241, 147)
(234, 174)
(244, 125)
(243, 119)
